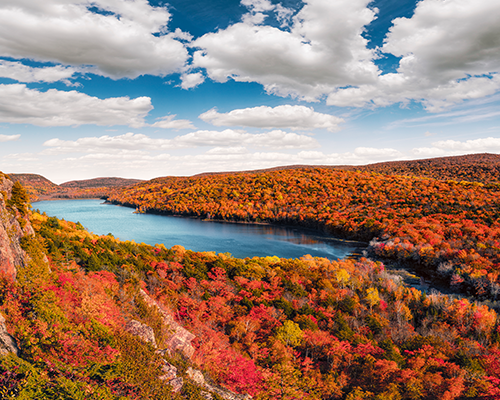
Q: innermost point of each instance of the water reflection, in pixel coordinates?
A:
(241, 240)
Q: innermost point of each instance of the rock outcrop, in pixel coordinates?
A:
(179, 340)
(142, 331)
(7, 343)
(197, 376)
(12, 256)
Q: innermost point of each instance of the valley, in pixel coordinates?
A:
(95, 317)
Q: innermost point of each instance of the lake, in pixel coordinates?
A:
(241, 240)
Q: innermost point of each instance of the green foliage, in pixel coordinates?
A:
(19, 198)
(342, 329)
(139, 366)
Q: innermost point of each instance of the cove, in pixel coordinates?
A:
(241, 240)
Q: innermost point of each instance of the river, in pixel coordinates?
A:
(241, 240)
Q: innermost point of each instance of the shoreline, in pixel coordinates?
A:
(410, 276)
(309, 231)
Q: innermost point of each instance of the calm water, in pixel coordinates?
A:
(238, 239)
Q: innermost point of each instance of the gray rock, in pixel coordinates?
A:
(169, 372)
(197, 376)
(142, 331)
(176, 384)
(7, 343)
(179, 340)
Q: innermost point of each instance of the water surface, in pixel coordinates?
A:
(241, 240)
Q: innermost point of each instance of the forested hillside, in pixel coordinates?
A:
(449, 230)
(40, 188)
(484, 168)
(86, 321)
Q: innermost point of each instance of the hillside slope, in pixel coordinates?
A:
(111, 320)
(483, 168)
(40, 188)
(449, 230)
(99, 183)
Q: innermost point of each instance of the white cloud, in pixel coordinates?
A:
(121, 43)
(227, 150)
(258, 5)
(21, 105)
(9, 138)
(471, 112)
(24, 73)
(233, 161)
(322, 50)
(129, 141)
(192, 80)
(475, 145)
(277, 139)
(377, 154)
(145, 164)
(456, 147)
(450, 52)
(169, 122)
(286, 116)
(228, 139)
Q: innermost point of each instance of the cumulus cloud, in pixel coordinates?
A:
(147, 164)
(19, 104)
(129, 141)
(191, 80)
(286, 116)
(169, 122)
(9, 138)
(320, 51)
(23, 73)
(450, 52)
(123, 39)
(277, 139)
(228, 139)
(233, 160)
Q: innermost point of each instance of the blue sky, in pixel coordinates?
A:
(142, 89)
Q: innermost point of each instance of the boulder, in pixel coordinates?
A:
(142, 331)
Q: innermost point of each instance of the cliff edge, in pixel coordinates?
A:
(14, 224)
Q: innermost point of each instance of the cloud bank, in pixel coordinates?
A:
(123, 39)
(19, 104)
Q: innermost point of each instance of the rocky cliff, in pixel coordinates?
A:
(14, 224)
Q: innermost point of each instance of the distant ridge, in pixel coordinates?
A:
(483, 167)
(100, 182)
(32, 179)
(40, 188)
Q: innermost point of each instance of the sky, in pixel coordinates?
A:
(142, 89)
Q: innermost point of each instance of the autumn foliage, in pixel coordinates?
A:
(449, 230)
(309, 328)
(275, 328)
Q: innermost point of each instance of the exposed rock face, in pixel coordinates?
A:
(12, 256)
(142, 331)
(170, 377)
(7, 344)
(197, 376)
(180, 338)
(180, 342)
